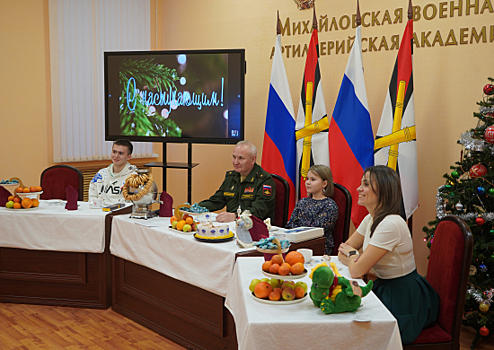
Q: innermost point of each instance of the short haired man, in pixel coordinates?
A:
(108, 182)
(248, 186)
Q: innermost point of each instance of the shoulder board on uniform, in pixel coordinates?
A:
(230, 173)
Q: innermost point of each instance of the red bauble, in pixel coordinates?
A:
(478, 170)
(479, 221)
(489, 89)
(484, 331)
(489, 134)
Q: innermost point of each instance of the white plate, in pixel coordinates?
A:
(53, 201)
(279, 302)
(23, 209)
(272, 275)
(22, 194)
(182, 232)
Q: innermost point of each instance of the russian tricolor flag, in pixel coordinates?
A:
(279, 150)
(351, 141)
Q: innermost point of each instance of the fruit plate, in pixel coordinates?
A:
(279, 302)
(290, 275)
(22, 194)
(182, 232)
(214, 240)
(23, 209)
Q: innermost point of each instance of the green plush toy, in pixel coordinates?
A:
(334, 293)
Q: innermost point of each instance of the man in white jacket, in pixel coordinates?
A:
(108, 182)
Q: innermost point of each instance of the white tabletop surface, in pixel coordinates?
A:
(52, 227)
(153, 244)
(303, 325)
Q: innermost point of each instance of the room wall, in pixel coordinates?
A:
(448, 81)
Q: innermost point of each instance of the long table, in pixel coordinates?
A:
(175, 285)
(303, 325)
(53, 256)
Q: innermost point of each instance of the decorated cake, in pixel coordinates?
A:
(209, 231)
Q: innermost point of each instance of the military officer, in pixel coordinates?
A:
(248, 186)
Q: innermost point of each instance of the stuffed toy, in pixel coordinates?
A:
(333, 293)
(250, 229)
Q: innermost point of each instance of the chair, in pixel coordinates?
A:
(447, 272)
(343, 200)
(282, 201)
(55, 179)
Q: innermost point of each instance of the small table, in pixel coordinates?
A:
(53, 256)
(303, 325)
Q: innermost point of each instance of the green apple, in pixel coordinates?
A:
(10, 204)
(275, 283)
(174, 224)
(301, 284)
(288, 284)
(186, 228)
(288, 294)
(265, 279)
(253, 284)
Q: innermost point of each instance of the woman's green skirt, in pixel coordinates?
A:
(411, 300)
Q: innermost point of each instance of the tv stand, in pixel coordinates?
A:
(177, 165)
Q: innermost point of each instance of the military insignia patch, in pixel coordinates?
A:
(249, 190)
(266, 189)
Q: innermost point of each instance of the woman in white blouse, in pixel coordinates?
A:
(387, 250)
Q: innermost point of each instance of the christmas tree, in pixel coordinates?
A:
(469, 194)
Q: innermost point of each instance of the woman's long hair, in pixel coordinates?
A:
(385, 182)
(326, 175)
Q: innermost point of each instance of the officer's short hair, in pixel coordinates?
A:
(252, 148)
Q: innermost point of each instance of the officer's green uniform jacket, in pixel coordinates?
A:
(256, 193)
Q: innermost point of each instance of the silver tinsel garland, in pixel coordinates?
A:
(467, 216)
(479, 296)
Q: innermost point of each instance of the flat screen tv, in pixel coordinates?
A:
(188, 96)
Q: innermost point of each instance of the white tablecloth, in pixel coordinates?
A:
(303, 325)
(152, 244)
(52, 227)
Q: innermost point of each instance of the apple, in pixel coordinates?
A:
(174, 224)
(265, 279)
(185, 216)
(10, 204)
(186, 228)
(275, 283)
(288, 294)
(193, 227)
(301, 284)
(288, 284)
(253, 284)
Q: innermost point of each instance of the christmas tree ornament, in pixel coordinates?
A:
(478, 146)
(473, 270)
(484, 331)
(447, 186)
(479, 221)
(489, 134)
(491, 190)
(482, 268)
(484, 307)
(455, 174)
(477, 170)
(459, 206)
(480, 190)
(489, 89)
(492, 233)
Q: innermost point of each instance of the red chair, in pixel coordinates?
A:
(449, 264)
(55, 179)
(343, 200)
(282, 201)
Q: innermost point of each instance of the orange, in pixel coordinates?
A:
(172, 219)
(180, 225)
(17, 200)
(284, 269)
(11, 198)
(189, 220)
(277, 259)
(275, 295)
(262, 290)
(274, 268)
(32, 189)
(17, 205)
(266, 265)
(297, 269)
(26, 190)
(299, 292)
(294, 257)
(27, 203)
(38, 189)
(19, 189)
(35, 202)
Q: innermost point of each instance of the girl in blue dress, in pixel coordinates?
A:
(318, 209)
